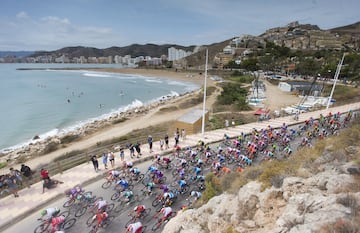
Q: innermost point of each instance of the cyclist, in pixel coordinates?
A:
(136, 227)
(100, 206)
(168, 198)
(74, 192)
(134, 172)
(56, 223)
(196, 195)
(166, 211)
(158, 175)
(139, 210)
(122, 185)
(128, 195)
(149, 186)
(182, 184)
(164, 188)
(100, 217)
(49, 213)
(113, 175)
(197, 170)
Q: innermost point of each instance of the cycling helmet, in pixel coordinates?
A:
(78, 197)
(193, 193)
(135, 208)
(129, 228)
(43, 212)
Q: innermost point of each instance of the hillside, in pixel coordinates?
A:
(316, 190)
(352, 29)
(133, 50)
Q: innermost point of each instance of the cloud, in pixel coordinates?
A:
(51, 33)
(22, 15)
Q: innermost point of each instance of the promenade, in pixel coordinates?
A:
(31, 199)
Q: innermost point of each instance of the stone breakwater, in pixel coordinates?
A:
(38, 146)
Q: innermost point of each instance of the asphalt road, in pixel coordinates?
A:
(29, 223)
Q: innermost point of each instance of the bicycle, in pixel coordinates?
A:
(44, 226)
(124, 203)
(134, 218)
(160, 222)
(106, 222)
(81, 208)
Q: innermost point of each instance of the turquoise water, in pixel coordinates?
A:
(48, 102)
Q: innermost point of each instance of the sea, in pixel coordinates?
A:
(48, 102)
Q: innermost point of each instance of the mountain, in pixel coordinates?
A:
(133, 50)
(352, 29)
(15, 53)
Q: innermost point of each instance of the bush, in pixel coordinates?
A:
(117, 121)
(3, 164)
(212, 187)
(69, 138)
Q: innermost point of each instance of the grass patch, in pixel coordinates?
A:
(68, 155)
(168, 109)
(121, 120)
(230, 229)
(69, 138)
(242, 78)
(213, 188)
(3, 164)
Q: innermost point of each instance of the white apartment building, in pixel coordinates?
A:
(176, 54)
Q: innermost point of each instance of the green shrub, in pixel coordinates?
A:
(3, 164)
(212, 187)
(117, 121)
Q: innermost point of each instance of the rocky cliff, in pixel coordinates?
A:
(325, 198)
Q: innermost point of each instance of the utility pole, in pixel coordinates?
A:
(335, 80)
(204, 102)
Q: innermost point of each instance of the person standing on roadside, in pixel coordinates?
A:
(111, 159)
(138, 149)
(44, 174)
(95, 163)
(122, 153)
(166, 138)
(27, 173)
(105, 160)
(150, 142)
(11, 184)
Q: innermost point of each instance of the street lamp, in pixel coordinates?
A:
(204, 102)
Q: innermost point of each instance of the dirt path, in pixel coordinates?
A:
(277, 99)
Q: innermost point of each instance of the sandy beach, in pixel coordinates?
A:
(104, 130)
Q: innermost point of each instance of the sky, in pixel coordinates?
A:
(32, 25)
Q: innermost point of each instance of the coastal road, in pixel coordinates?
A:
(30, 223)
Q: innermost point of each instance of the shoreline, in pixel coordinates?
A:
(94, 127)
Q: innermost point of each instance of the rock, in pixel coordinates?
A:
(36, 137)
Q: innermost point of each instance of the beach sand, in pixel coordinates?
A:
(145, 117)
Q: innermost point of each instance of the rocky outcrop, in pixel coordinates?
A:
(300, 205)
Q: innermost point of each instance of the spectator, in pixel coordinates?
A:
(138, 149)
(16, 174)
(226, 123)
(111, 159)
(122, 153)
(183, 134)
(27, 173)
(95, 163)
(162, 142)
(11, 184)
(131, 149)
(44, 174)
(150, 142)
(166, 139)
(176, 138)
(105, 160)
